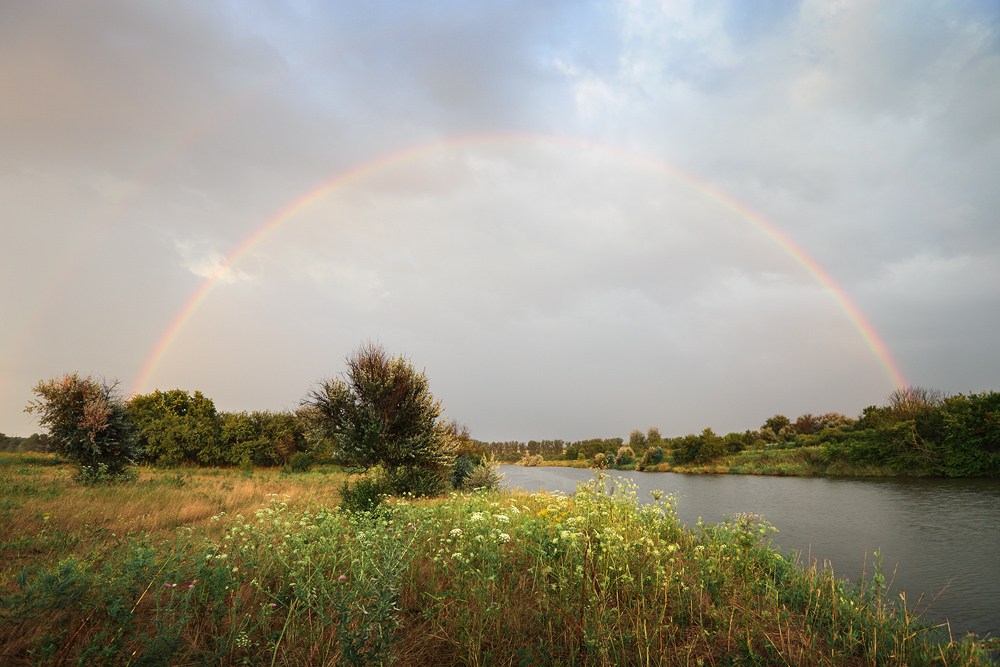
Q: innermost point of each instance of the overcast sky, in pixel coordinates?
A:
(579, 218)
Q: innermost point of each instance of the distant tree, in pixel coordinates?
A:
(653, 436)
(261, 438)
(178, 427)
(88, 424)
(776, 423)
(381, 412)
(807, 424)
(908, 402)
(699, 448)
(637, 440)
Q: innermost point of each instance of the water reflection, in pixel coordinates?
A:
(935, 534)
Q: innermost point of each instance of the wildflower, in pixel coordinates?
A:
(503, 537)
(342, 577)
(503, 518)
(412, 527)
(190, 585)
(476, 517)
(455, 532)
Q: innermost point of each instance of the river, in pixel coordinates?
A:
(941, 537)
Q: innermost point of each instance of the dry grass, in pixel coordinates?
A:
(38, 494)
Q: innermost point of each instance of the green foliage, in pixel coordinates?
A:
(33, 443)
(958, 436)
(464, 465)
(383, 413)
(651, 457)
(776, 423)
(365, 495)
(699, 448)
(626, 455)
(176, 427)
(88, 424)
(637, 440)
(301, 462)
(484, 476)
(262, 439)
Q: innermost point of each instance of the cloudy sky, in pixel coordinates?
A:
(580, 218)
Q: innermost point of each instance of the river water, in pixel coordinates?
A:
(942, 537)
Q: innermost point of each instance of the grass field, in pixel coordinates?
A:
(223, 567)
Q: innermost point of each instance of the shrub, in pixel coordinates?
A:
(531, 459)
(364, 496)
(464, 465)
(600, 461)
(301, 462)
(485, 476)
(651, 457)
(626, 455)
(700, 448)
(383, 413)
(88, 425)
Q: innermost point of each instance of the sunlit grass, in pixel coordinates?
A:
(222, 568)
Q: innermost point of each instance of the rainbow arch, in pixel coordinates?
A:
(283, 216)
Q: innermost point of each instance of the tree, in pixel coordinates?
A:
(88, 424)
(637, 440)
(381, 412)
(177, 427)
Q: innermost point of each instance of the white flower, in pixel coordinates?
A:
(503, 537)
(503, 518)
(455, 532)
(476, 517)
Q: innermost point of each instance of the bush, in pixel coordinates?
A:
(421, 482)
(531, 460)
(300, 462)
(626, 455)
(600, 461)
(464, 465)
(651, 457)
(383, 413)
(364, 496)
(699, 448)
(88, 425)
(485, 476)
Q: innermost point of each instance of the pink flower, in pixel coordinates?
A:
(342, 577)
(167, 585)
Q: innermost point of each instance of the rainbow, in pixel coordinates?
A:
(854, 314)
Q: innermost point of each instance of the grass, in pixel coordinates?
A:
(222, 568)
(791, 462)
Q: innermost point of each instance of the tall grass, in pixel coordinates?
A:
(469, 579)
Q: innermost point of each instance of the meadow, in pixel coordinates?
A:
(262, 567)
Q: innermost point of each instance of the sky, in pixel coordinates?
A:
(579, 218)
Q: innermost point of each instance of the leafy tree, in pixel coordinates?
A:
(88, 424)
(653, 436)
(262, 438)
(699, 448)
(381, 412)
(177, 427)
(776, 423)
(637, 440)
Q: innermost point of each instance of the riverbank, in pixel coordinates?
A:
(791, 462)
(228, 567)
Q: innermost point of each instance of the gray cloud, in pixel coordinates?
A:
(553, 287)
